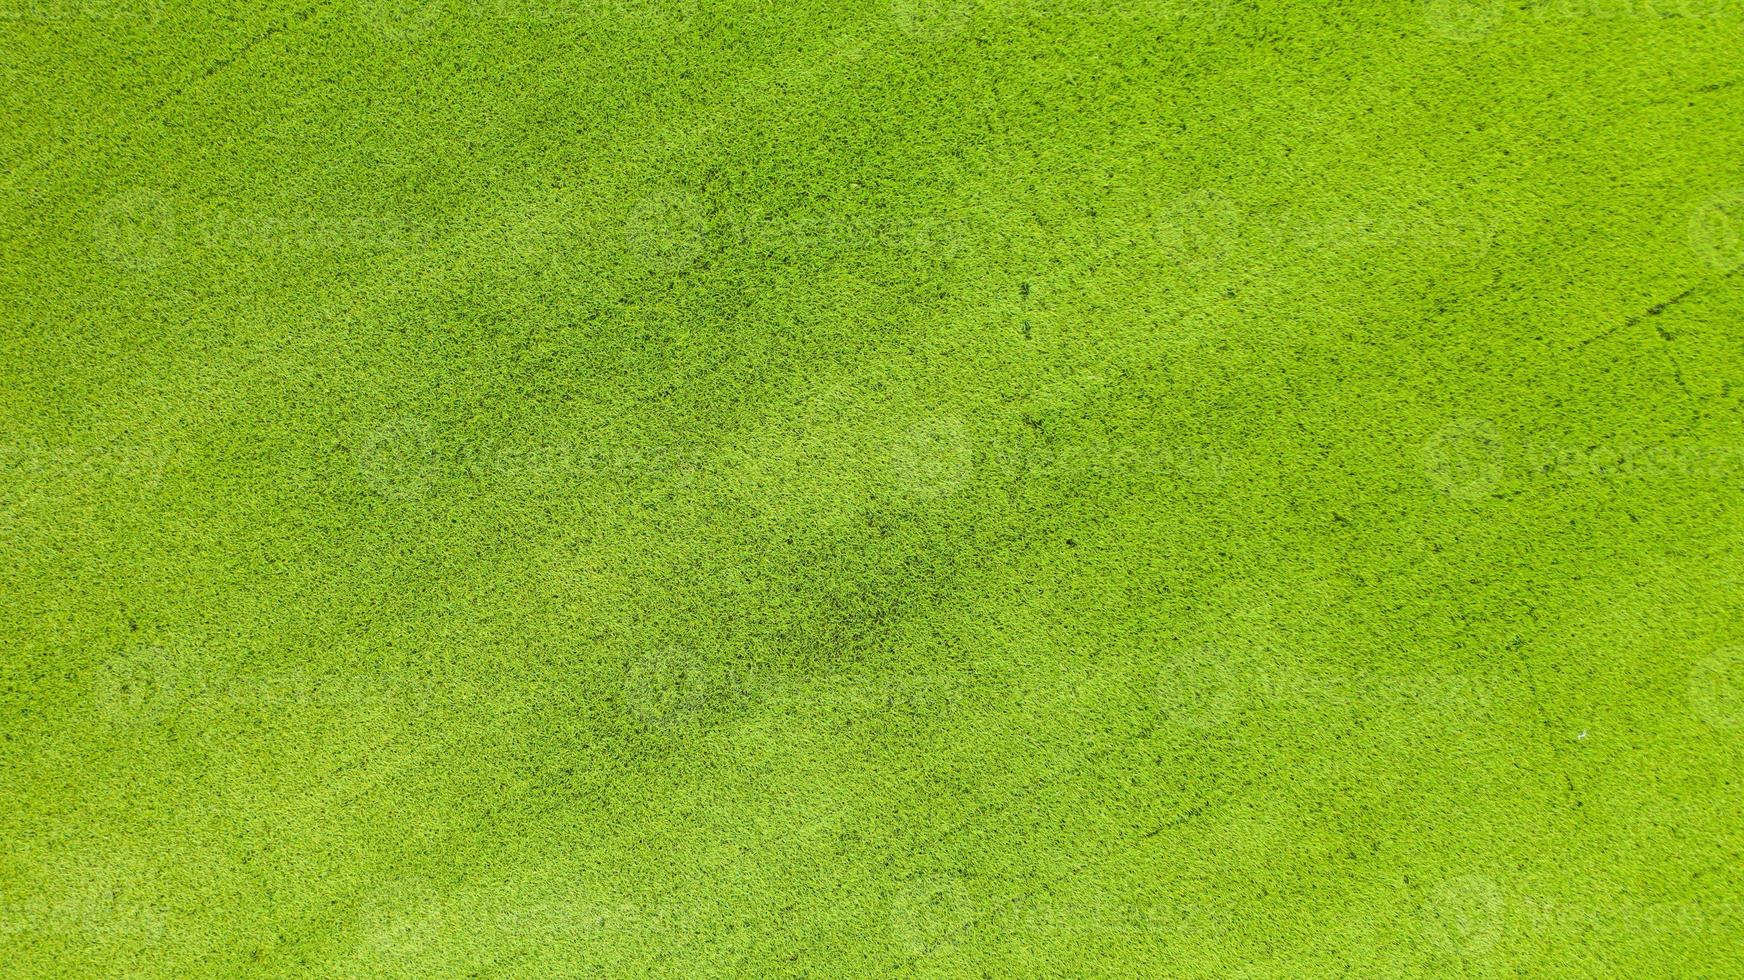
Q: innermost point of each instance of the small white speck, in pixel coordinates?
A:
(1581, 737)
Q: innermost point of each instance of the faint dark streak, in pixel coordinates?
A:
(1658, 308)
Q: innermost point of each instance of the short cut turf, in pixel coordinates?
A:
(961, 488)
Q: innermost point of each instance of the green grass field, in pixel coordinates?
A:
(846, 488)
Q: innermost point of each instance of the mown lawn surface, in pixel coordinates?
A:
(1006, 488)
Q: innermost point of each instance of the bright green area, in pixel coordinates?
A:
(1009, 488)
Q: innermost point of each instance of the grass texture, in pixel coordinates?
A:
(958, 488)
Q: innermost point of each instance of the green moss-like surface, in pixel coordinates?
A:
(1004, 488)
